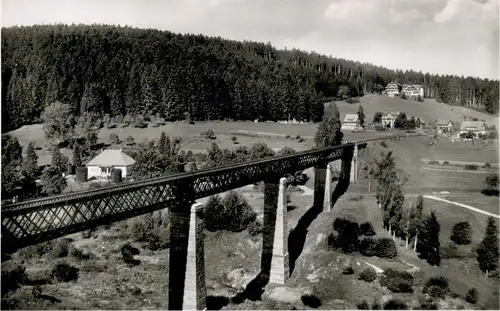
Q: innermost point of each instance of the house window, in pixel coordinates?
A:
(106, 170)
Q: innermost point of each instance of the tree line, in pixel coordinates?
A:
(119, 71)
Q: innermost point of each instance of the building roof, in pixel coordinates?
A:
(394, 113)
(468, 125)
(110, 157)
(351, 118)
(442, 122)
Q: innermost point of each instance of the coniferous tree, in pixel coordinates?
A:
(487, 251)
(52, 181)
(416, 219)
(76, 155)
(361, 116)
(30, 162)
(59, 161)
(328, 133)
(428, 246)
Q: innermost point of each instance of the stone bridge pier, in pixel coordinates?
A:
(187, 264)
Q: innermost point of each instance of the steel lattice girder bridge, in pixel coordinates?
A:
(35, 221)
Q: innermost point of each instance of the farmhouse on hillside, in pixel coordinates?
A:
(389, 118)
(444, 126)
(478, 128)
(101, 165)
(413, 90)
(392, 89)
(351, 123)
(419, 123)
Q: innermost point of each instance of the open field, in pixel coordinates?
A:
(490, 204)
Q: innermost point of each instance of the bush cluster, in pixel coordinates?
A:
(13, 278)
(64, 272)
(346, 237)
(380, 247)
(366, 229)
(395, 304)
(436, 287)
(231, 213)
(368, 275)
(461, 233)
(472, 296)
(450, 250)
(152, 229)
(128, 252)
(397, 281)
(471, 167)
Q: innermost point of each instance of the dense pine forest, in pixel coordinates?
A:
(127, 71)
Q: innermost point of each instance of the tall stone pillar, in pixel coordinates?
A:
(354, 165)
(186, 283)
(328, 188)
(275, 258)
(319, 185)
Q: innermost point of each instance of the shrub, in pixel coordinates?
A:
(368, 275)
(461, 233)
(209, 134)
(397, 281)
(347, 230)
(472, 296)
(446, 163)
(35, 251)
(255, 228)
(297, 136)
(363, 305)
(63, 272)
(395, 304)
(436, 292)
(376, 304)
(348, 270)
(471, 167)
(77, 253)
(61, 248)
(128, 252)
(386, 248)
(232, 213)
(439, 281)
(140, 124)
(428, 305)
(366, 229)
(368, 246)
(234, 139)
(114, 139)
(287, 136)
(487, 165)
(301, 140)
(13, 278)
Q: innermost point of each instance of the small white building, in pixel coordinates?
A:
(476, 127)
(351, 123)
(392, 89)
(101, 165)
(389, 118)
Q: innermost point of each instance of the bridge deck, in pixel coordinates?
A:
(35, 221)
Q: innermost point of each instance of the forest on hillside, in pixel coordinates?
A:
(117, 71)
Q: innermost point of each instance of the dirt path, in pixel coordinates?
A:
(461, 205)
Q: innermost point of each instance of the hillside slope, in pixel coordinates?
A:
(428, 110)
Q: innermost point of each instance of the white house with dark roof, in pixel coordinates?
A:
(444, 125)
(476, 127)
(101, 165)
(389, 118)
(351, 123)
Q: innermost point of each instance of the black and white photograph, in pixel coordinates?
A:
(250, 154)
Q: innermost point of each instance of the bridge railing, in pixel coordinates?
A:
(35, 221)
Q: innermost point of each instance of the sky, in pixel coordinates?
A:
(458, 37)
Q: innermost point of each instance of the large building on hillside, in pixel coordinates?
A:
(351, 123)
(392, 89)
(389, 118)
(476, 127)
(413, 90)
(101, 165)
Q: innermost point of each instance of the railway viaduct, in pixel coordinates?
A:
(31, 222)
